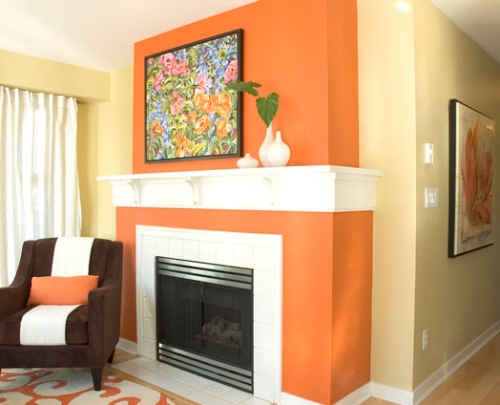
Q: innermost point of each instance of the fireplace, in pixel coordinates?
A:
(205, 319)
(260, 252)
(280, 222)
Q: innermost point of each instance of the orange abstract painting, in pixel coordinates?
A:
(471, 179)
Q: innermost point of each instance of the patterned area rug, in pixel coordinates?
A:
(72, 387)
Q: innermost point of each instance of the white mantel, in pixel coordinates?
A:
(291, 188)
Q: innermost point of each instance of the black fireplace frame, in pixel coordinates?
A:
(221, 277)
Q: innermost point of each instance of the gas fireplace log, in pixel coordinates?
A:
(223, 331)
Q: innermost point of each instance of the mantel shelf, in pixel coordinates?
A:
(291, 188)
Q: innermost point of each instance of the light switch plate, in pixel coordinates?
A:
(431, 197)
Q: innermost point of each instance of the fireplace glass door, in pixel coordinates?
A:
(205, 320)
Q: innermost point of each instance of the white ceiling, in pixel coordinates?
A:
(479, 19)
(97, 34)
(100, 34)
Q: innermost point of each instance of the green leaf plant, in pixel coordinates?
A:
(267, 107)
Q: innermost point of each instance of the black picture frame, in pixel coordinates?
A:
(471, 179)
(189, 112)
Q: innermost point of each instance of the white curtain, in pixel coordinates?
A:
(39, 193)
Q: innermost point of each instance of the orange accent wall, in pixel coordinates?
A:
(305, 50)
(343, 102)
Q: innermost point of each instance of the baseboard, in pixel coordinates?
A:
(127, 345)
(391, 394)
(289, 399)
(356, 397)
(422, 391)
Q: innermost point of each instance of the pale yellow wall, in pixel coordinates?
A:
(387, 142)
(456, 299)
(53, 77)
(411, 65)
(89, 86)
(114, 145)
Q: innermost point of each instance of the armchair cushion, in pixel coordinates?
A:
(55, 290)
(77, 332)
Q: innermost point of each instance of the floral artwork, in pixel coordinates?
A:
(471, 188)
(190, 112)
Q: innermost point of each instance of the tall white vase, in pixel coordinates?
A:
(278, 153)
(268, 140)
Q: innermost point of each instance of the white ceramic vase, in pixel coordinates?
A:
(268, 140)
(278, 153)
(247, 162)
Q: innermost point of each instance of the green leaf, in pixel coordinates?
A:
(268, 107)
(246, 87)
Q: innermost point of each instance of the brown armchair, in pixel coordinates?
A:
(92, 330)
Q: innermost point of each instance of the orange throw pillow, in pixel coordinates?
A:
(53, 290)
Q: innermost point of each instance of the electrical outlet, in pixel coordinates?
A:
(425, 339)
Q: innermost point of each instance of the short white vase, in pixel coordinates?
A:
(247, 162)
(278, 153)
(268, 140)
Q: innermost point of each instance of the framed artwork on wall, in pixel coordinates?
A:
(471, 179)
(189, 112)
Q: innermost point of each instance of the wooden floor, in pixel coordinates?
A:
(477, 382)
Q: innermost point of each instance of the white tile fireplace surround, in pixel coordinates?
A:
(262, 253)
(296, 188)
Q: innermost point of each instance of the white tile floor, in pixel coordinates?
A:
(188, 385)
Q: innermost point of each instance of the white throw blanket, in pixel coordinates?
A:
(45, 325)
(72, 256)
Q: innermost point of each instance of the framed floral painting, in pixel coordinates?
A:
(190, 112)
(471, 179)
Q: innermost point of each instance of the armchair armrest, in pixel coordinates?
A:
(105, 307)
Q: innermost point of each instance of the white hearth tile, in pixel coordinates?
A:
(200, 383)
(262, 362)
(218, 401)
(149, 328)
(254, 401)
(217, 389)
(262, 283)
(175, 248)
(139, 361)
(236, 396)
(148, 244)
(168, 384)
(150, 349)
(225, 253)
(262, 310)
(169, 370)
(155, 366)
(262, 336)
(161, 246)
(184, 390)
(148, 285)
(190, 250)
(264, 258)
(148, 265)
(200, 397)
(183, 376)
(149, 305)
(208, 252)
(244, 256)
(151, 377)
(263, 389)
